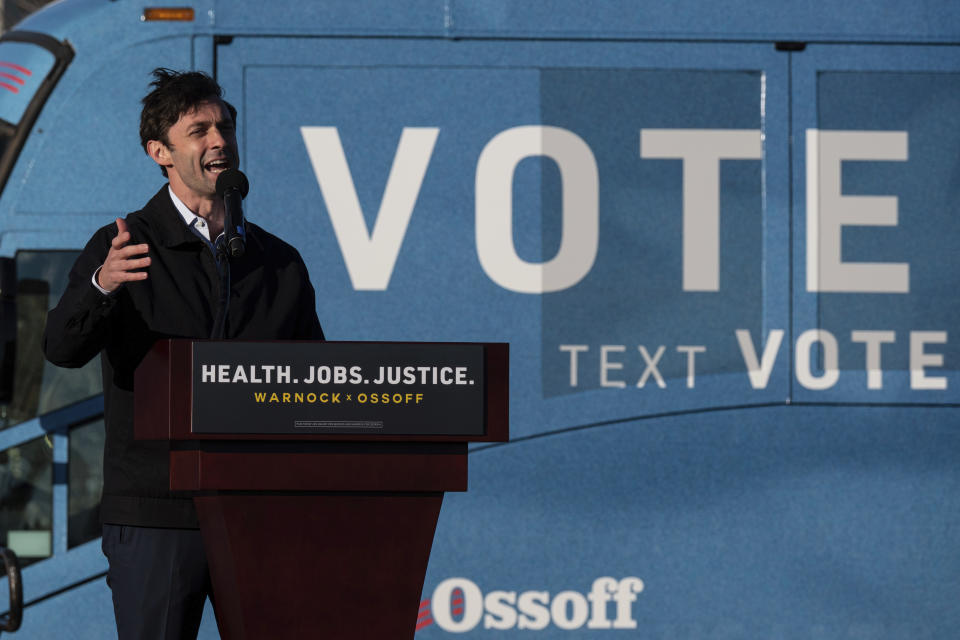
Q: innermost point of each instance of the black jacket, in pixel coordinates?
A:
(271, 298)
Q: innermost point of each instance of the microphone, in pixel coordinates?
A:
(232, 186)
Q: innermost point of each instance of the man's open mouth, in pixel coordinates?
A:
(216, 166)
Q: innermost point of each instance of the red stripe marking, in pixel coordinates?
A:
(22, 70)
(425, 603)
(425, 623)
(457, 612)
(10, 76)
(10, 87)
(423, 614)
(456, 601)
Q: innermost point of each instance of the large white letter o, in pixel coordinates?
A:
(494, 209)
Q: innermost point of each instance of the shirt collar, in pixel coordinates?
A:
(187, 232)
(189, 217)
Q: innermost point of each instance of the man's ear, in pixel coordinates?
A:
(159, 152)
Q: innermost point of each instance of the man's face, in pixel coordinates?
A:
(202, 144)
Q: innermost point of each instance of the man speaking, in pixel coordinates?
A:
(165, 272)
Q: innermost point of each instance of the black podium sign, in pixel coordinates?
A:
(338, 388)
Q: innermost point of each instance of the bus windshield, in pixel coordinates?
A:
(23, 66)
(30, 65)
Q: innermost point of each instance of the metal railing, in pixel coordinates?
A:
(11, 620)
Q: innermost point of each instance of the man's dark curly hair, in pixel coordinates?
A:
(174, 94)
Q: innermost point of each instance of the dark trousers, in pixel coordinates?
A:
(159, 579)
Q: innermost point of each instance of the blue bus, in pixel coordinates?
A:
(719, 238)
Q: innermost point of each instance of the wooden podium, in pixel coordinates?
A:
(318, 527)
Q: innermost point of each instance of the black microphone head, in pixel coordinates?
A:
(232, 179)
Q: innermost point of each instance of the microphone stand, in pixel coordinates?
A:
(219, 331)
(232, 186)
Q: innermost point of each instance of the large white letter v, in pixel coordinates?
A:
(370, 256)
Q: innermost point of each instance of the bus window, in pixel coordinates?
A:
(26, 499)
(85, 482)
(40, 387)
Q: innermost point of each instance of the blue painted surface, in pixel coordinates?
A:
(818, 20)
(789, 522)
(884, 21)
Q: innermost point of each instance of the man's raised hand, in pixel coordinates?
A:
(122, 260)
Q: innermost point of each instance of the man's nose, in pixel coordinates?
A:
(216, 138)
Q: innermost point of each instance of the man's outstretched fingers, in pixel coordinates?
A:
(121, 262)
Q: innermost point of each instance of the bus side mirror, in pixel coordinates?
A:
(8, 327)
